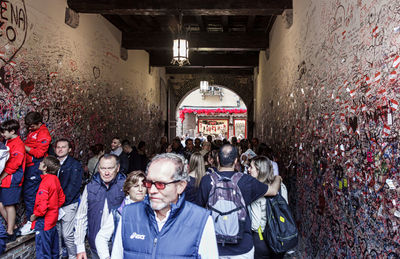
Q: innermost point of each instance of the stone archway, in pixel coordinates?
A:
(242, 85)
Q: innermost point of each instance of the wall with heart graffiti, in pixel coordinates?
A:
(327, 101)
(75, 76)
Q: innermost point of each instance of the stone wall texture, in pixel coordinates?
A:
(75, 76)
(327, 101)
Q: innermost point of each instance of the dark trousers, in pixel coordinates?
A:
(261, 249)
(30, 187)
(46, 241)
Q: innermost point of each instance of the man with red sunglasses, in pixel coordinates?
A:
(164, 225)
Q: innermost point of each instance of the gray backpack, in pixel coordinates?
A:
(227, 208)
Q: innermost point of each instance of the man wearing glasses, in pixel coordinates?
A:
(102, 194)
(164, 225)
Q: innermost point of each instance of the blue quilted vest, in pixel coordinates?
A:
(97, 193)
(179, 238)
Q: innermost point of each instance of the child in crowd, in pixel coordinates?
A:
(49, 199)
(36, 146)
(12, 176)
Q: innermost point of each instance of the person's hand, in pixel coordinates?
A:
(81, 255)
(33, 218)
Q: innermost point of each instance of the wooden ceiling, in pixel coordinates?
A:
(225, 36)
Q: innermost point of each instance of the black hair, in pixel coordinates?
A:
(141, 144)
(187, 141)
(96, 149)
(33, 118)
(10, 125)
(227, 155)
(126, 142)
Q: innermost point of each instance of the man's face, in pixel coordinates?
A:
(115, 144)
(189, 145)
(62, 149)
(175, 144)
(108, 169)
(254, 142)
(162, 171)
(127, 149)
(197, 142)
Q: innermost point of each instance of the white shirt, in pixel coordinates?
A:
(81, 223)
(105, 233)
(208, 248)
(257, 211)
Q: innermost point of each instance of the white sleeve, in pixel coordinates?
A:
(208, 248)
(275, 168)
(117, 250)
(103, 236)
(284, 193)
(81, 223)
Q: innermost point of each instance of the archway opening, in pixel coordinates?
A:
(217, 111)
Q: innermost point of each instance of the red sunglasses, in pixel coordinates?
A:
(159, 185)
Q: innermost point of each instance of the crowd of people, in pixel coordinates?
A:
(194, 198)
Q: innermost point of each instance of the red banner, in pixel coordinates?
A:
(209, 111)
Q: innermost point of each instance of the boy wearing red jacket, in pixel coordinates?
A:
(36, 145)
(12, 176)
(49, 198)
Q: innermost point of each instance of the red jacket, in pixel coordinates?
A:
(49, 198)
(39, 142)
(15, 165)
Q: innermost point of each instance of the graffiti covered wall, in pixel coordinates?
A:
(329, 91)
(75, 76)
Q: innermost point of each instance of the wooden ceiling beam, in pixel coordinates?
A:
(250, 23)
(209, 70)
(205, 41)
(200, 22)
(225, 23)
(249, 59)
(187, 7)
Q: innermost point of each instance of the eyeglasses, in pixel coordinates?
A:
(159, 185)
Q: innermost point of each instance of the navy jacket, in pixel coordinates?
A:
(98, 192)
(70, 176)
(179, 238)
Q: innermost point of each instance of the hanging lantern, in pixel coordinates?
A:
(180, 48)
(180, 52)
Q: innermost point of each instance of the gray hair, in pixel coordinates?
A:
(110, 156)
(181, 170)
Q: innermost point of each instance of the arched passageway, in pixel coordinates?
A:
(217, 111)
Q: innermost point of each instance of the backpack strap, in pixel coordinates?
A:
(214, 176)
(236, 177)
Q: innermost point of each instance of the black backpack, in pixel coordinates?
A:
(280, 231)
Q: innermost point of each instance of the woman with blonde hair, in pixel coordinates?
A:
(261, 168)
(135, 192)
(196, 172)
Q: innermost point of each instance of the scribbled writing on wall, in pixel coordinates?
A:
(81, 97)
(13, 28)
(336, 127)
